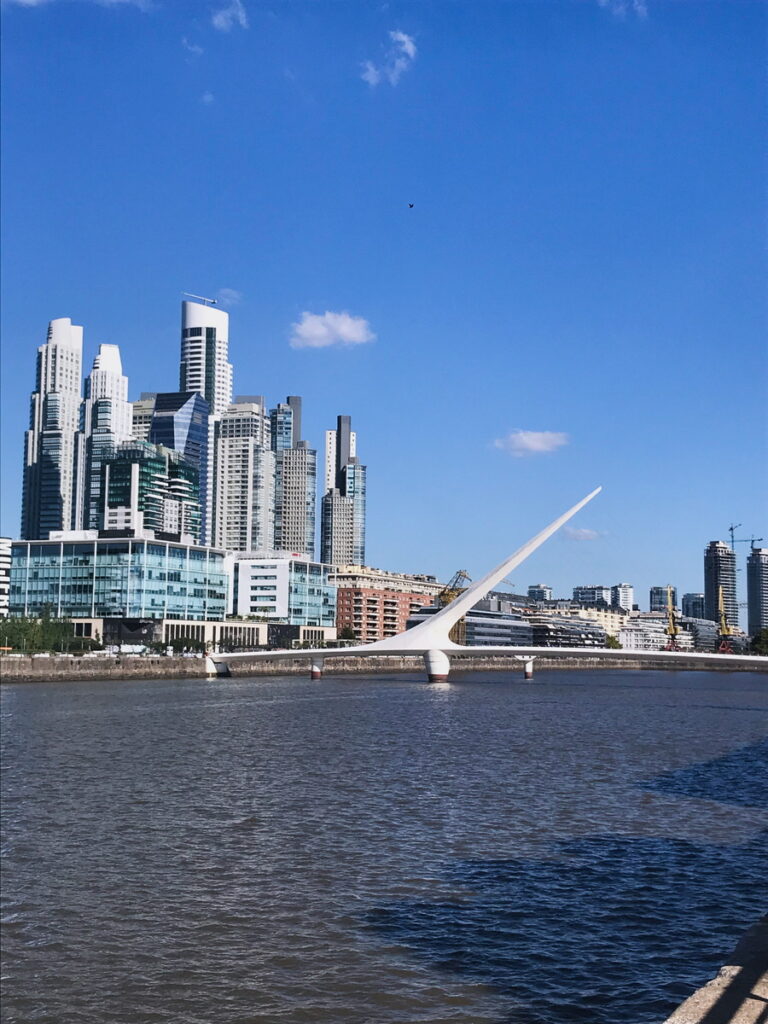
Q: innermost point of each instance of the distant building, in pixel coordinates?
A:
(272, 586)
(658, 599)
(540, 592)
(647, 632)
(703, 632)
(245, 478)
(80, 575)
(720, 575)
(52, 443)
(343, 509)
(693, 606)
(143, 410)
(757, 590)
(5, 574)
(623, 596)
(181, 421)
(106, 422)
(592, 595)
(484, 627)
(375, 604)
(150, 487)
(205, 366)
(565, 631)
(295, 489)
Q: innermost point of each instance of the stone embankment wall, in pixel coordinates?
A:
(20, 670)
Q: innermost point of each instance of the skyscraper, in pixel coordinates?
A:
(245, 481)
(344, 504)
(658, 599)
(143, 410)
(205, 365)
(720, 572)
(106, 421)
(757, 590)
(295, 480)
(693, 606)
(52, 441)
(180, 421)
(623, 596)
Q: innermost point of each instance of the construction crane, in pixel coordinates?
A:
(741, 540)
(726, 632)
(672, 630)
(202, 298)
(451, 590)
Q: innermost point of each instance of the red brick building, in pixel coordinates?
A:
(375, 604)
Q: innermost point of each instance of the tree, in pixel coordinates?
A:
(760, 642)
(612, 643)
(346, 633)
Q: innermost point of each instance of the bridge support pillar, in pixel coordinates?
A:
(218, 669)
(527, 660)
(316, 668)
(438, 666)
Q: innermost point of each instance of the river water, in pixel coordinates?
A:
(585, 847)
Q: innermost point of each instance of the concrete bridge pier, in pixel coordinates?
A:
(316, 668)
(438, 666)
(527, 660)
(219, 669)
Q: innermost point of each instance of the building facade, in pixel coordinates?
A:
(693, 606)
(485, 627)
(374, 604)
(244, 517)
(592, 595)
(343, 510)
(271, 586)
(204, 365)
(181, 421)
(52, 442)
(106, 421)
(720, 577)
(82, 575)
(623, 596)
(540, 592)
(757, 590)
(5, 575)
(657, 598)
(295, 492)
(143, 411)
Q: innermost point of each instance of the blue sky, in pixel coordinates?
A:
(576, 297)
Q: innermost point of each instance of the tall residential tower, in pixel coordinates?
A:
(757, 590)
(342, 529)
(720, 574)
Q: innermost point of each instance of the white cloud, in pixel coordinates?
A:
(321, 331)
(621, 8)
(192, 48)
(207, 98)
(231, 14)
(581, 533)
(229, 296)
(531, 442)
(397, 60)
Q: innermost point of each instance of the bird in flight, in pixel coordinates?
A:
(410, 206)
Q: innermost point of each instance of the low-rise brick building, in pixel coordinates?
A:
(375, 604)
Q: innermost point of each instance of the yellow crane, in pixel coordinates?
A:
(451, 590)
(672, 630)
(726, 631)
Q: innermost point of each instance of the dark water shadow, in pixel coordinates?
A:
(603, 929)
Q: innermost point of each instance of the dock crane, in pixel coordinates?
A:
(726, 631)
(673, 629)
(451, 590)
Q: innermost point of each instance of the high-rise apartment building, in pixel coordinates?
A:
(344, 504)
(540, 592)
(658, 599)
(720, 576)
(592, 595)
(106, 422)
(150, 487)
(205, 366)
(143, 411)
(693, 606)
(245, 478)
(623, 596)
(295, 488)
(181, 421)
(51, 445)
(757, 590)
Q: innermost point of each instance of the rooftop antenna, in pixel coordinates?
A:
(202, 298)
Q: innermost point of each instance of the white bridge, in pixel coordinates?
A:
(430, 638)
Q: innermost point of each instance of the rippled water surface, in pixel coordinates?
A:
(585, 847)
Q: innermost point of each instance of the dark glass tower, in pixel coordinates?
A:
(181, 422)
(757, 590)
(720, 572)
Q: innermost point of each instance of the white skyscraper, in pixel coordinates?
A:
(205, 365)
(51, 443)
(245, 482)
(106, 422)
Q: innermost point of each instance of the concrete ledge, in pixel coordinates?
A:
(739, 993)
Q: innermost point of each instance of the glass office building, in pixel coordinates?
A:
(181, 421)
(117, 578)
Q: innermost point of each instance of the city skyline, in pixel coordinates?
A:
(561, 306)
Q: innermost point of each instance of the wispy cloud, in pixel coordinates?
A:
(229, 296)
(581, 533)
(143, 5)
(531, 442)
(316, 330)
(398, 58)
(227, 17)
(207, 98)
(192, 48)
(621, 8)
